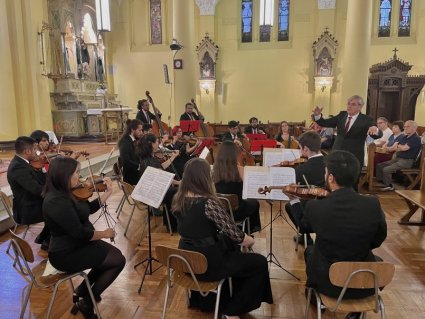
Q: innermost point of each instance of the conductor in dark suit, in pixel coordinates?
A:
(144, 115)
(253, 127)
(347, 226)
(130, 162)
(352, 127)
(27, 185)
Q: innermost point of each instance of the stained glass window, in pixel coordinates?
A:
(266, 19)
(156, 21)
(384, 18)
(246, 20)
(283, 27)
(405, 18)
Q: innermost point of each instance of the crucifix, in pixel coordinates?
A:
(395, 53)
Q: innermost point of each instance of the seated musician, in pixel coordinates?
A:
(407, 149)
(147, 148)
(233, 134)
(190, 115)
(347, 226)
(205, 227)
(126, 144)
(284, 139)
(228, 179)
(253, 127)
(76, 245)
(27, 184)
(146, 128)
(311, 172)
(144, 115)
(390, 147)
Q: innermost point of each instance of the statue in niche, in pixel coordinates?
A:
(324, 64)
(207, 67)
(83, 59)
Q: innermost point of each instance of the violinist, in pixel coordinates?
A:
(311, 172)
(284, 138)
(233, 134)
(147, 148)
(253, 127)
(27, 185)
(190, 115)
(144, 115)
(126, 144)
(228, 179)
(347, 226)
(76, 245)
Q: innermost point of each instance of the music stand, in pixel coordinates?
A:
(256, 137)
(189, 126)
(257, 146)
(148, 260)
(271, 258)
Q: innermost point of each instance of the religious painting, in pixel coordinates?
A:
(156, 21)
(324, 63)
(207, 67)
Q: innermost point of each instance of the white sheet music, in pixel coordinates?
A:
(273, 156)
(281, 176)
(152, 186)
(204, 153)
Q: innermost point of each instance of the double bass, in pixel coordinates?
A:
(204, 130)
(159, 128)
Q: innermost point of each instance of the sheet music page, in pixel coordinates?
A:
(255, 177)
(272, 156)
(152, 186)
(204, 153)
(291, 154)
(281, 176)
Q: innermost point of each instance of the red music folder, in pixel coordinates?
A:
(254, 137)
(189, 126)
(258, 145)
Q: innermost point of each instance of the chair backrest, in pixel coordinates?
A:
(7, 203)
(23, 248)
(229, 201)
(117, 169)
(363, 274)
(175, 257)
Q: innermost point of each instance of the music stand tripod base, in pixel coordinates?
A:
(148, 260)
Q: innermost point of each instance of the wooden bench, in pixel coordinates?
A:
(414, 174)
(367, 172)
(415, 199)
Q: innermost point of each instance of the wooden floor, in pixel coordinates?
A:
(404, 297)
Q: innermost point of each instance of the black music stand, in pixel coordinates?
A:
(271, 258)
(148, 260)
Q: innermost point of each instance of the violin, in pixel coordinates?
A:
(291, 163)
(85, 190)
(301, 191)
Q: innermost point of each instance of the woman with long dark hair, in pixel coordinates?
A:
(205, 227)
(228, 179)
(75, 245)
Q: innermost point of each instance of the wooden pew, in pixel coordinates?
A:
(414, 175)
(415, 200)
(367, 172)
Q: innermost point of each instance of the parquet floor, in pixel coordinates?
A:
(404, 297)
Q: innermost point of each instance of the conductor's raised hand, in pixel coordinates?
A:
(317, 110)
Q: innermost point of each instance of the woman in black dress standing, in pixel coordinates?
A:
(75, 245)
(228, 176)
(205, 227)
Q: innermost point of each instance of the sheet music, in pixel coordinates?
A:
(290, 154)
(255, 177)
(152, 186)
(204, 153)
(281, 176)
(272, 156)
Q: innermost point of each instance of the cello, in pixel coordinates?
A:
(159, 128)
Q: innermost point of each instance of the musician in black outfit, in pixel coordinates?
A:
(130, 162)
(347, 226)
(75, 245)
(311, 172)
(27, 184)
(190, 115)
(233, 134)
(144, 115)
(205, 227)
(253, 127)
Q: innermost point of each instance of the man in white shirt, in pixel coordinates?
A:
(382, 123)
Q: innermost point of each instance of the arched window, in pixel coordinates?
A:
(405, 18)
(246, 20)
(156, 21)
(283, 29)
(385, 18)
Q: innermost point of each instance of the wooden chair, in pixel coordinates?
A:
(182, 266)
(367, 172)
(360, 275)
(34, 276)
(414, 175)
(231, 204)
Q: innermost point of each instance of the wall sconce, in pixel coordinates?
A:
(206, 88)
(323, 82)
(103, 17)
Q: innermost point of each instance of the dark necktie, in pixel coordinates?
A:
(347, 125)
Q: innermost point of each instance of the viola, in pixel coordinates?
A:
(300, 191)
(85, 190)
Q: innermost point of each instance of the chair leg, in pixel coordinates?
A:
(164, 308)
(318, 305)
(307, 306)
(217, 299)
(381, 307)
(96, 309)
(364, 315)
(230, 286)
(168, 220)
(52, 299)
(120, 206)
(10, 241)
(129, 220)
(26, 298)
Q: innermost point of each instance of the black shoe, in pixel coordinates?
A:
(85, 308)
(353, 315)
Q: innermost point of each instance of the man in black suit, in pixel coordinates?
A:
(129, 159)
(144, 115)
(352, 127)
(27, 184)
(347, 226)
(253, 127)
(190, 115)
(233, 134)
(311, 172)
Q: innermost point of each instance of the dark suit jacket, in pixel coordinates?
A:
(141, 117)
(185, 117)
(313, 170)
(130, 162)
(228, 137)
(27, 185)
(347, 226)
(354, 140)
(250, 130)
